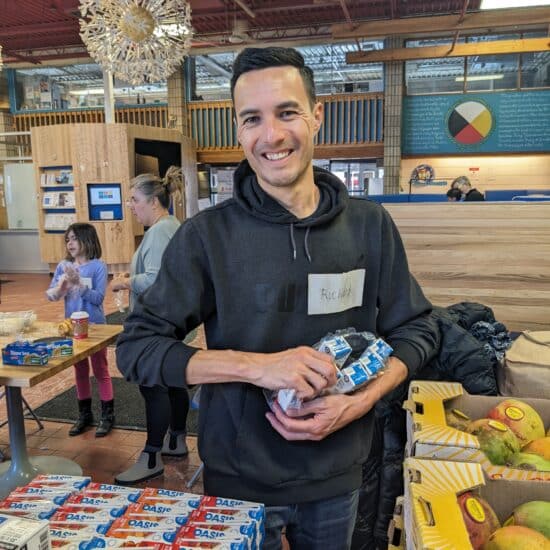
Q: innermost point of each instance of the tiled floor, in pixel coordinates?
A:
(100, 458)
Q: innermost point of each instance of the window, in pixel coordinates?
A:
(477, 73)
(77, 86)
(535, 66)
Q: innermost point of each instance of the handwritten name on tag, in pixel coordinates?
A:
(335, 292)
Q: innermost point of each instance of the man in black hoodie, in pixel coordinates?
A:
(269, 272)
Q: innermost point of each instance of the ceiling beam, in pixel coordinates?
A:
(459, 50)
(245, 8)
(46, 28)
(491, 19)
(27, 58)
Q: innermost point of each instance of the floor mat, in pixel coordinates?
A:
(129, 407)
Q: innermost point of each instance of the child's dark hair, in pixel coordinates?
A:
(253, 59)
(88, 239)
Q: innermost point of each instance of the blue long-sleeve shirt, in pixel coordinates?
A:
(89, 296)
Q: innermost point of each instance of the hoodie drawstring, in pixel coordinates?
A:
(293, 242)
(306, 247)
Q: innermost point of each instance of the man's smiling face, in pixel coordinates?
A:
(276, 125)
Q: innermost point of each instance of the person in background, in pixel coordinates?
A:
(271, 271)
(165, 407)
(463, 184)
(454, 194)
(81, 279)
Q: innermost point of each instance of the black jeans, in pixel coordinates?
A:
(164, 407)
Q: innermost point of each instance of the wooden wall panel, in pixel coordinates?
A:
(100, 155)
(495, 254)
(51, 146)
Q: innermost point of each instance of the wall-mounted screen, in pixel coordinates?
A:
(104, 201)
(105, 195)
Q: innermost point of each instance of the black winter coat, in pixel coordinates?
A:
(461, 358)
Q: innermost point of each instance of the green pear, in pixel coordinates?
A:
(527, 461)
(534, 514)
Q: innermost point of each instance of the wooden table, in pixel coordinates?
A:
(22, 468)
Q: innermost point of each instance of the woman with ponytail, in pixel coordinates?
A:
(165, 408)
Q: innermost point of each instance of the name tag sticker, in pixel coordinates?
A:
(334, 292)
(86, 281)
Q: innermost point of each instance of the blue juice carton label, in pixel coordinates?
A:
(338, 347)
(381, 348)
(351, 378)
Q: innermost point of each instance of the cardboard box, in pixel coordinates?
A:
(432, 516)
(25, 353)
(396, 528)
(429, 436)
(16, 532)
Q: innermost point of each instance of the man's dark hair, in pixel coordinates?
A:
(254, 59)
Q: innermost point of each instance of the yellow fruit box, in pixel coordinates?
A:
(429, 436)
(396, 529)
(432, 515)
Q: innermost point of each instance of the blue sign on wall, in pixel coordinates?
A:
(496, 122)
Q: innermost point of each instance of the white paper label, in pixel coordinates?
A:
(86, 281)
(106, 215)
(334, 292)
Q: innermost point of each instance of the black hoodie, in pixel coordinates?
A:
(242, 268)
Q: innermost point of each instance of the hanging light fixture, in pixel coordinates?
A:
(139, 41)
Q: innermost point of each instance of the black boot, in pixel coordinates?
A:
(107, 418)
(85, 417)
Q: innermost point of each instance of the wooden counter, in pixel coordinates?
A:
(21, 468)
(25, 376)
(497, 254)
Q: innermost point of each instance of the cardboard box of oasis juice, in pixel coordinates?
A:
(432, 514)
(429, 435)
(28, 534)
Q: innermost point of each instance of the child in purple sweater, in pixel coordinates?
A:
(80, 279)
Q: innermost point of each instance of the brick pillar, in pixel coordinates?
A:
(177, 103)
(393, 99)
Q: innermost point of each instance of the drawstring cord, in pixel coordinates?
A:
(293, 242)
(306, 247)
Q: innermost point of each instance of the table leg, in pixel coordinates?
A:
(21, 468)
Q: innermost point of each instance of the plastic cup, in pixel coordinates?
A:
(80, 321)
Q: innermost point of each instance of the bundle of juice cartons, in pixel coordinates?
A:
(84, 515)
(359, 358)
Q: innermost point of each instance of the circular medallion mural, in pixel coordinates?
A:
(470, 122)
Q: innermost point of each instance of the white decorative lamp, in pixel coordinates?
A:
(139, 41)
